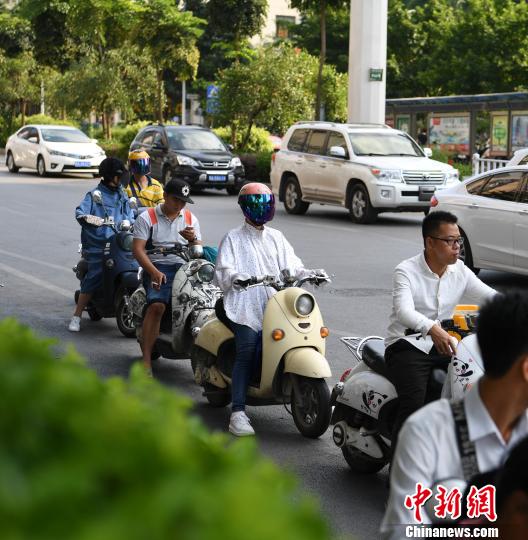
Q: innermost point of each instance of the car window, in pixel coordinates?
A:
(147, 137)
(33, 132)
(503, 186)
(63, 135)
(194, 139)
(296, 142)
(158, 139)
(336, 139)
(24, 133)
(383, 144)
(524, 160)
(316, 142)
(524, 192)
(475, 187)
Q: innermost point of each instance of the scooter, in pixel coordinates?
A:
(120, 276)
(366, 402)
(192, 303)
(293, 367)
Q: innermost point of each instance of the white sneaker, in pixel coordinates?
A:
(75, 324)
(240, 425)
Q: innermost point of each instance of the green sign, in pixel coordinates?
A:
(375, 75)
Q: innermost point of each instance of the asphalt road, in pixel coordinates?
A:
(38, 246)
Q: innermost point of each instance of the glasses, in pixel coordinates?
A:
(450, 241)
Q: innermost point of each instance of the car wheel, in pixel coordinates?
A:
(166, 175)
(10, 162)
(41, 167)
(466, 255)
(293, 202)
(361, 210)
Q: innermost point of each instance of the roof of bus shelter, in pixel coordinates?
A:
(506, 101)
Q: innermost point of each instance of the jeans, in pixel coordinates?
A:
(246, 341)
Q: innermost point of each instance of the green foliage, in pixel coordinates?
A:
(122, 137)
(259, 140)
(82, 458)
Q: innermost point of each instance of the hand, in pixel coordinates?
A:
(240, 281)
(94, 220)
(189, 234)
(442, 340)
(158, 278)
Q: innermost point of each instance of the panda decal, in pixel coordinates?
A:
(463, 371)
(372, 401)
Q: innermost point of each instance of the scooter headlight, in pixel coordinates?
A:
(206, 273)
(125, 240)
(304, 305)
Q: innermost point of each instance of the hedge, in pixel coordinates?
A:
(84, 458)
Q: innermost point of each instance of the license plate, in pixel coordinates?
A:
(82, 164)
(425, 193)
(217, 177)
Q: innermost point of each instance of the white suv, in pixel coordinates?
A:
(367, 168)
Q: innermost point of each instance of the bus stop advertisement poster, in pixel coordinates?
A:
(519, 130)
(449, 133)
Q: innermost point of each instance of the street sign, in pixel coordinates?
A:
(211, 105)
(193, 97)
(212, 91)
(375, 75)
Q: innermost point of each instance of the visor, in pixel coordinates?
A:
(259, 208)
(140, 166)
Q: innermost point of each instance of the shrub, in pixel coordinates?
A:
(259, 140)
(82, 458)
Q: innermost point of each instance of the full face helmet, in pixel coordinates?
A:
(139, 162)
(257, 203)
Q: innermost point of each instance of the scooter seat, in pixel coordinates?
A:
(374, 356)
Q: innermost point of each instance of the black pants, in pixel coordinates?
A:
(410, 370)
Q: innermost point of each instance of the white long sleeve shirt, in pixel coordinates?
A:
(255, 252)
(420, 298)
(427, 452)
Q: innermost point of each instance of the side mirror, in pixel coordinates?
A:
(94, 141)
(337, 152)
(33, 140)
(159, 146)
(230, 147)
(428, 152)
(97, 197)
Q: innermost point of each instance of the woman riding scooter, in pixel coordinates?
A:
(245, 251)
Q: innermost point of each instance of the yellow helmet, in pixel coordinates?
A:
(139, 162)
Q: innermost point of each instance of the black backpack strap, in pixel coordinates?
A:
(466, 448)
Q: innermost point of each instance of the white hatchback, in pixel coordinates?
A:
(53, 149)
(492, 211)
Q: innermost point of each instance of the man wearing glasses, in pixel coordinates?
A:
(426, 289)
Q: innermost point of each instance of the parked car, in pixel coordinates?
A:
(366, 168)
(492, 211)
(53, 149)
(520, 157)
(191, 153)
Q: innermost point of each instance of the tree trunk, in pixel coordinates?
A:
(322, 58)
(23, 104)
(103, 121)
(159, 90)
(233, 133)
(246, 137)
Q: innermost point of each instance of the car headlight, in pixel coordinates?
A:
(55, 153)
(304, 305)
(235, 162)
(451, 176)
(186, 160)
(387, 175)
(206, 273)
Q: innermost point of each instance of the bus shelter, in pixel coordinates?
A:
(451, 121)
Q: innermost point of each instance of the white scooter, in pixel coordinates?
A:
(192, 303)
(366, 402)
(293, 368)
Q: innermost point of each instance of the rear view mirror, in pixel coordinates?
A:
(337, 152)
(97, 197)
(428, 152)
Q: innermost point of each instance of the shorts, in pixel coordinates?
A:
(164, 293)
(93, 279)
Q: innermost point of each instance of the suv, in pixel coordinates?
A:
(190, 153)
(366, 168)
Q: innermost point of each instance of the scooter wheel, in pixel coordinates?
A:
(359, 462)
(311, 410)
(125, 318)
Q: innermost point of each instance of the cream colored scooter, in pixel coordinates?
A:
(293, 368)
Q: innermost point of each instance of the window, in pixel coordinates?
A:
(316, 142)
(503, 187)
(336, 139)
(24, 133)
(158, 139)
(296, 142)
(33, 133)
(383, 144)
(524, 160)
(475, 187)
(524, 192)
(194, 139)
(282, 24)
(147, 138)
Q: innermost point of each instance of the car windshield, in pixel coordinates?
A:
(381, 144)
(194, 139)
(64, 135)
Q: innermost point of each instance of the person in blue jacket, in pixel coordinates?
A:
(90, 214)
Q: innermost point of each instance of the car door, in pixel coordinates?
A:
(493, 214)
(20, 147)
(333, 170)
(293, 158)
(520, 230)
(312, 171)
(158, 154)
(33, 148)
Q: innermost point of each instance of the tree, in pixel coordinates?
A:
(320, 7)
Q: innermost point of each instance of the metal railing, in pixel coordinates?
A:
(481, 165)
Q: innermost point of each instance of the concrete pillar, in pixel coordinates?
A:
(367, 56)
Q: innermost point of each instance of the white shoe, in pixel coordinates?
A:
(240, 425)
(75, 324)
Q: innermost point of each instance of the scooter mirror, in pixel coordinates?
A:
(196, 251)
(125, 225)
(97, 197)
(133, 202)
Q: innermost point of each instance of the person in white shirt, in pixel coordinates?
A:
(250, 250)
(426, 289)
(496, 416)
